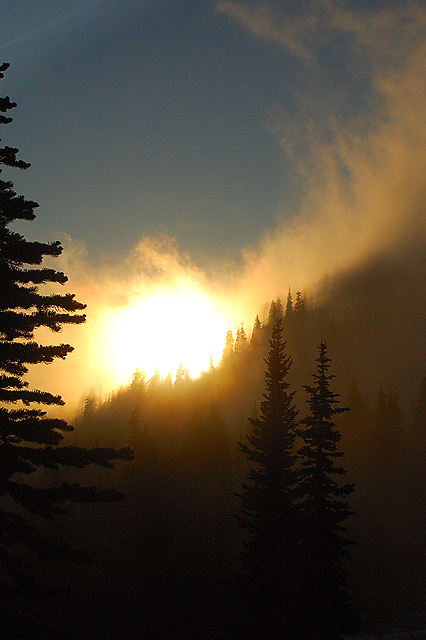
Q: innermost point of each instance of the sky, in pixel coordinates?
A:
(243, 147)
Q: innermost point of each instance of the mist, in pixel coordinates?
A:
(360, 176)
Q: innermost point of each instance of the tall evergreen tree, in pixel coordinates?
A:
(326, 608)
(29, 438)
(257, 331)
(240, 340)
(300, 306)
(289, 306)
(228, 349)
(268, 502)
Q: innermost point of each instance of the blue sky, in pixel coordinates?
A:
(145, 118)
(161, 117)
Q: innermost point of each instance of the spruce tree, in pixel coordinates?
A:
(289, 306)
(324, 510)
(29, 437)
(240, 340)
(268, 506)
(256, 332)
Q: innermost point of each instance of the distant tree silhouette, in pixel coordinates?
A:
(256, 332)
(181, 375)
(137, 387)
(229, 346)
(300, 306)
(29, 439)
(240, 339)
(326, 608)
(272, 313)
(289, 306)
(269, 516)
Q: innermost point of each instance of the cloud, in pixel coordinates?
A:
(360, 165)
(264, 23)
(357, 153)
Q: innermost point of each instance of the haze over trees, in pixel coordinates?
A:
(196, 425)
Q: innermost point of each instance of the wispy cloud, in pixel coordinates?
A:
(361, 166)
(267, 24)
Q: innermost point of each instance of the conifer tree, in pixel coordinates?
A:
(269, 514)
(240, 340)
(300, 306)
(326, 608)
(228, 349)
(272, 314)
(289, 306)
(29, 438)
(256, 332)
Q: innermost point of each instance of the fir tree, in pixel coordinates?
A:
(324, 510)
(257, 331)
(228, 349)
(272, 314)
(181, 375)
(289, 306)
(300, 306)
(29, 438)
(240, 340)
(268, 502)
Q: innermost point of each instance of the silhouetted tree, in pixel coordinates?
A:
(29, 439)
(137, 387)
(229, 346)
(300, 306)
(268, 502)
(272, 313)
(257, 330)
(289, 306)
(240, 340)
(181, 374)
(326, 608)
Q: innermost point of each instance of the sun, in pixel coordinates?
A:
(166, 330)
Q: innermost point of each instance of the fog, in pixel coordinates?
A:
(360, 173)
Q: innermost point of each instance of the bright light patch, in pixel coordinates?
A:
(165, 330)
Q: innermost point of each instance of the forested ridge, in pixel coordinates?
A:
(177, 536)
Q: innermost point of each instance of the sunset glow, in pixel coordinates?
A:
(165, 330)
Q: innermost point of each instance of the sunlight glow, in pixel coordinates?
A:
(166, 330)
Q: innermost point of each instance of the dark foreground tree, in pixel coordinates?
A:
(326, 607)
(29, 438)
(268, 563)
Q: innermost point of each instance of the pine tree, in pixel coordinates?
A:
(289, 306)
(256, 332)
(228, 349)
(181, 375)
(29, 438)
(240, 340)
(268, 502)
(300, 306)
(324, 510)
